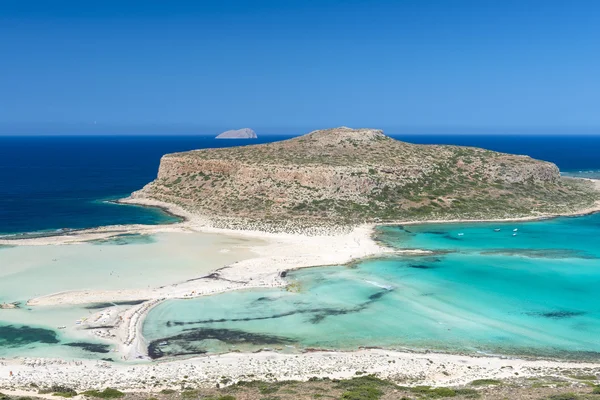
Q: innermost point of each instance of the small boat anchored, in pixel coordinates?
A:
(516, 229)
(163, 343)
(461, 234)
(497, 230)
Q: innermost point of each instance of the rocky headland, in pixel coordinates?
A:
(346, 176)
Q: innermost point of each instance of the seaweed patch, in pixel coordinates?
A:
(188, 343)
(421, 266)
(319, 313)
(16, 336)
(557, 314)
(91, 347)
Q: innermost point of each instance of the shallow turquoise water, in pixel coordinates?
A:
(122, 262)
(535, 293)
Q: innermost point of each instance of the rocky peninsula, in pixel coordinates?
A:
(348, 177)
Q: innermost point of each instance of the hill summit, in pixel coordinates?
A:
(350, 176)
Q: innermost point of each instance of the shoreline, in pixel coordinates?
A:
(282, 252)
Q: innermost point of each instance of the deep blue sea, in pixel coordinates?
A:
(50, 183)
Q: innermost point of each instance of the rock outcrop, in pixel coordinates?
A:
(245, 133)
(350, 176)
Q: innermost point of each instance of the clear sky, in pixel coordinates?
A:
(282, 66)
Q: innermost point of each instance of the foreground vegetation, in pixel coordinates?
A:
(362, 387)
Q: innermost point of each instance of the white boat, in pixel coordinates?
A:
(514, 234)
(514, 230)
(497, 230)
(163, 343)
(461, 234)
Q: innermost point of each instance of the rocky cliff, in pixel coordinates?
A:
(350, 176)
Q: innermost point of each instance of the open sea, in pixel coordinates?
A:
(486, 289)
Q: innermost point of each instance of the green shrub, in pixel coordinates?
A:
(189, 394)
(107, 393)
(65, 394)
(167, 391)
(485, 382)
(584, 377)
(442, 392)
(564, 396)
(470, 393)
(596, 389)
(363, 393)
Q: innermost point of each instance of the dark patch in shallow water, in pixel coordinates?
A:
(377, 295)
(124, 239)
(96, 306)
(320, 313)
(263, 299)
(421, 266)
(91, 347)
(557, 314)
(451, 238)
(542, 253)
(16, 336)
(189, 343)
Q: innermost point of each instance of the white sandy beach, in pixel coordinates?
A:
(277, 252)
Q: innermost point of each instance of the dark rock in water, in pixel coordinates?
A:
(16, 336)
(188, 343)
(283, 274)
(91, 347)
(244, 133)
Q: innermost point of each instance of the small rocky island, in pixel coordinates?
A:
(350, 176)
(244, 133)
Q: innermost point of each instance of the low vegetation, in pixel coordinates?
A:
(361, 387)
(107, 393)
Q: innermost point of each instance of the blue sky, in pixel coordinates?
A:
(288, 66)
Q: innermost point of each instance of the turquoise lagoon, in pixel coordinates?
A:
(485, 289)
(123, 262)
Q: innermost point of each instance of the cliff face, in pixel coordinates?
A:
(351, 176)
